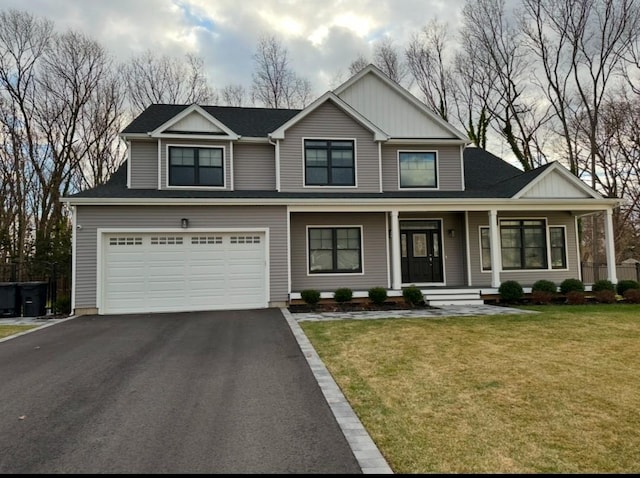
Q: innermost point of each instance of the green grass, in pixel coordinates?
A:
(554, 392)
(7, 330)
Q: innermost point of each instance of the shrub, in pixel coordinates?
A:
(571, 285)
(544, 286)
(413, 295)
(511, 291)
(632, 296)
(344, 294)
(605, 296)
(378, 295)
(625, 285)
(542, 297)
(310, 296)
(62, 305)
(603, 284)
(576, 297)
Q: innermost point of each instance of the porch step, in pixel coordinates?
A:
(436, 297)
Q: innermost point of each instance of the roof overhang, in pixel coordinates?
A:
(378, 134)
(566, 175)
(159, 132)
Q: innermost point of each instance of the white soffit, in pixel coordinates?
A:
(399, 114)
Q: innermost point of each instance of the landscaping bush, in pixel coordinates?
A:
(632, 296)
(605, 296)
(378, 295)
(571, 285)
(542, 297)
(511, 291)
(603, 284)
(576, 297)
(310, 296)
(544, 286)
(62, 306)
(625, 285)
(344, 294)
(413, 296)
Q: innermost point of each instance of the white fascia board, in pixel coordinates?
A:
(378, 134)
(253, 139)
(209, 137)
(403, 141)
(372, 69)
(555, 166)
(364, 204)
(187, 111)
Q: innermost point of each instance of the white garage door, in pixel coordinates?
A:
(183, 272)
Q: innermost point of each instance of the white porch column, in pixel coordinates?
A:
(396, 276)
(496, 256)
(610, 247)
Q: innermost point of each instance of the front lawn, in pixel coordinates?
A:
(554, 392)
(7, 330)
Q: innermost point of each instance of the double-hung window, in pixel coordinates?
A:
(191, 166)
(335, 250)
(418, 169)
(329, 163)
(523, 245)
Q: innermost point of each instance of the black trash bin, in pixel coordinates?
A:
(33, 296)
(9, 299)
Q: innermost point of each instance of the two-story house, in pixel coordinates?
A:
(229, 207)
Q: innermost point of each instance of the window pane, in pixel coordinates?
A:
(182, 176)
(348, 238)
(557, 236)
(510, 238)
(317, 176)
(210, 157)
(486, 259)
(342, 176)
(486, 248)
(558, 259)
(511, 258)
(558, 252)
(342, 144)
(210, 176)
(348, 260)
(321, 260)
(342, 158)
(417, 169)
(485, 239)
(315, 144)
(535, 258)
(181, 156)
(534, 238)
(316, 157)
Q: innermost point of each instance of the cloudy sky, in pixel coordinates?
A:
(322, 36)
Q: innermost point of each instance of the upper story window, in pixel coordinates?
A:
(329, 163)
(190, 166)
(418, 169)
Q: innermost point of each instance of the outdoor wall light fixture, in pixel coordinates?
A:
(184, 222)
(452, 232)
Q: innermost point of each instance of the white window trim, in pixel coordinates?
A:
(548, 245)
(225, 166)
(337, 226)
(442, 253)
(304, 163)
(425, 188)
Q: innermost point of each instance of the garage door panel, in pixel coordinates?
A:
(186, 271)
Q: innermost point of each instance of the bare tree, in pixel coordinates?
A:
(359, 64)
(275, 84)
(163, 79)
(432, 72)
(233, 95)
(390, 60)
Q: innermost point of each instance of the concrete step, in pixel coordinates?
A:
(436, 303)
(438, 296)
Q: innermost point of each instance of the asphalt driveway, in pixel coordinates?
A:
(203, 392)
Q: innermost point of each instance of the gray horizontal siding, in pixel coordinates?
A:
(526, 278)
(374, 252)
(140, 217)
(193, 142)
(330, 122)
(449, 166)
(143, 156)
(254, 167)
(455, 265)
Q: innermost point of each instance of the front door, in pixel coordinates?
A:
(421, 255)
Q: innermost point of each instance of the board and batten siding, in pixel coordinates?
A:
(254, 167)
(90, 218)
(455, 265)
(144, 164)
(528, 277)
(449, 166)
(198, 143)
(328, 122)
(374, 260)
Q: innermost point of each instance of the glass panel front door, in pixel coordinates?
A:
(421, 260)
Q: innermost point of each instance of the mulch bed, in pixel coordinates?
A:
(352, 307)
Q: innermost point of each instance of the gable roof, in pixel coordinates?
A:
(211, 121)
(556, 181)
(405, 95)
(378, 134)
(252, 122)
